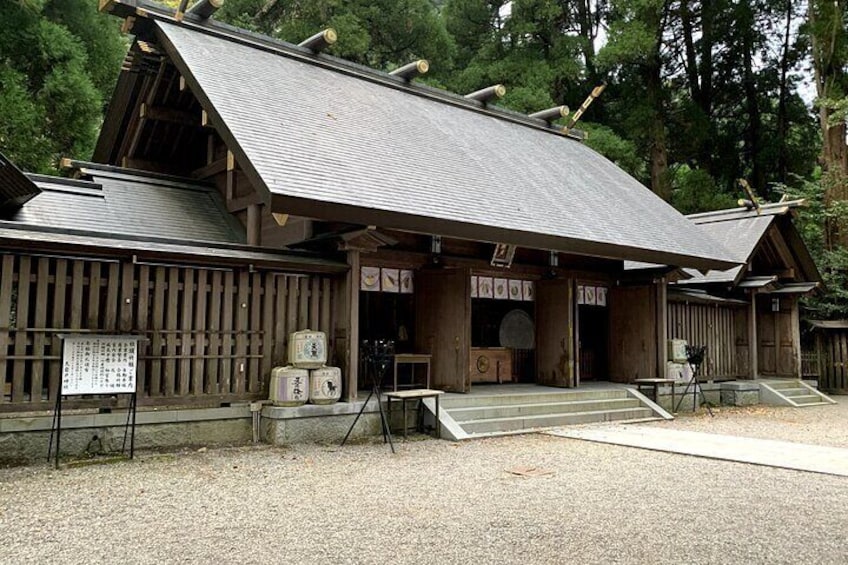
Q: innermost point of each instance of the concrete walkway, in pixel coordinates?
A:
(788, 455)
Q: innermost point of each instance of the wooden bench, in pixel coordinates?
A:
(655, 383)
(414, 394)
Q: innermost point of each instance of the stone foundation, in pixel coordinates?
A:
(328, 424)
(25, 438)
(730, 393)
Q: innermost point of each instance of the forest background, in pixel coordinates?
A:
(699, 94)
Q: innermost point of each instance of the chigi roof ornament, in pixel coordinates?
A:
(204, 9)
(412, 70)
(551, 114)
(320, 40)
(484, 95)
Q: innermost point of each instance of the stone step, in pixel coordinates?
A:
(551, 420)
(477, 399)
(540, 408)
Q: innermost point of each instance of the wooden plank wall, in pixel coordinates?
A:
(718, 328)
(832, 348)
(633, 333)
(213, 334)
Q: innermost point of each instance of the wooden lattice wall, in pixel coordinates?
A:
(721, 328)
(832, 353)
(213, 334)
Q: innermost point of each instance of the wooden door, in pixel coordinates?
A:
(767, 338)
(443, 325)
(633, 333)
(554, 333)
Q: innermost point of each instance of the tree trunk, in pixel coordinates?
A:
(660, 182)
(782, 103)
(827, 37)
(752, 106)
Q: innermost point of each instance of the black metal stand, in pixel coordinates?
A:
(378, 358)
(695, 357)
(57, 429)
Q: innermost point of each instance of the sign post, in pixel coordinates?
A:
(98, 365)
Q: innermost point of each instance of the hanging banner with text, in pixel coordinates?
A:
(99, 364)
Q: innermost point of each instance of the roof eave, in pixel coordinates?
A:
(427, 225)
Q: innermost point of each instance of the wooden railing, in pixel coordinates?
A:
(213, 335)
(809, 364)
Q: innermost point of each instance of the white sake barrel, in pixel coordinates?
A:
(289, 386)
(325, 385)
(308, 349)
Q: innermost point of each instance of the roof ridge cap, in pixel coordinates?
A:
(283, 48)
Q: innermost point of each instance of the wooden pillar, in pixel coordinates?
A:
(796, 335)
(753, 340)
(662, 327)
(352, 322)
(254, 224)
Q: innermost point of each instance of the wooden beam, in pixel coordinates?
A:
(795, 322)
(214, 168)
(352, 323)
(780, 247)
(135, 140)
(254, 224)
(662, 328)
(165, 114)
(753, 340)
(147, 165)
(127, 24)
(243, 202)
(210, 148)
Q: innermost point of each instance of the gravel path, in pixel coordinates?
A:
(434, 502)
(821, 425)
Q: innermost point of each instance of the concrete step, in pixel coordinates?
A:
(478, 399)
(540, 408)
(784, 385)
(807, 404)
(551, 420)
(792, 392)
(534, 430)
(806, 399)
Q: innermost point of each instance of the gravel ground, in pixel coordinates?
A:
(821, 425)
(436, 502)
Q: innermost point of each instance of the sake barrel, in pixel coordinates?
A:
(308, 349)
(325, 385)
(289, 386)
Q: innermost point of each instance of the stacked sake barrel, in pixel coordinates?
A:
(306, 378)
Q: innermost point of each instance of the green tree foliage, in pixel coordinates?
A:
(379, 33)
(832, 261)
(58, 62)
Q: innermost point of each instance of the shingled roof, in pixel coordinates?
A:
(131, 203)
(15, 187)
(328, 140)
(121, 211)
(741, 231)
